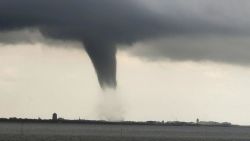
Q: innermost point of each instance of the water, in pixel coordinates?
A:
(85, 132)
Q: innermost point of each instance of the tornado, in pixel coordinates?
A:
(103, 57)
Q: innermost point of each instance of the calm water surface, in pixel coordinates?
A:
(83, 132)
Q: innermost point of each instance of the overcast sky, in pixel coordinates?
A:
(37, 80)
(163, 59)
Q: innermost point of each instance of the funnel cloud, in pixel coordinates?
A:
(102, 26)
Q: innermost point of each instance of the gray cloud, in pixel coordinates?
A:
(102, 25)
(227, 49)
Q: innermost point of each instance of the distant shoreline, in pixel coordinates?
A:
(103, 122)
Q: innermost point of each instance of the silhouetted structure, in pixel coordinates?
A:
(197, 121)
(54, 116)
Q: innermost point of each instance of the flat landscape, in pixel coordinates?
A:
(11, 131)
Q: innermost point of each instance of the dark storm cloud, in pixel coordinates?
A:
(229, 49)
(101, 25)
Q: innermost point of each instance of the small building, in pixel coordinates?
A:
(197, 121)
(54, 116)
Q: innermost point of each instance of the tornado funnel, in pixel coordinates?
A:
(103, 57)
